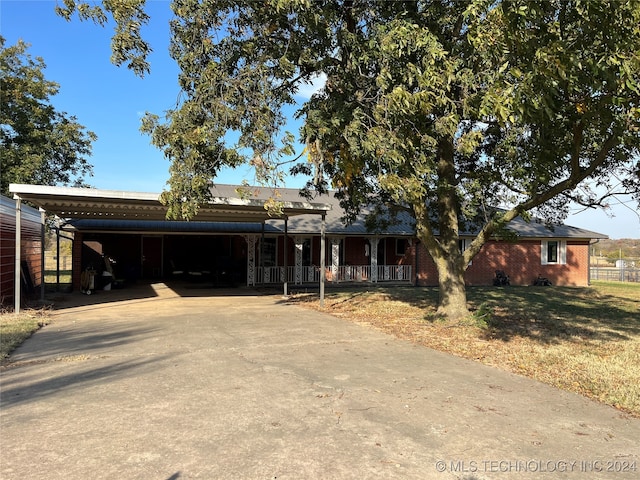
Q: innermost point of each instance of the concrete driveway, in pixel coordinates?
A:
(168, 384)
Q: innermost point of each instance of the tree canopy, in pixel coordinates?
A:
(465, 113)
(38, 144)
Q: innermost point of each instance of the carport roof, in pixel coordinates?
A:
(90, 203)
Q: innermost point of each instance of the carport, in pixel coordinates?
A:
(110, 206)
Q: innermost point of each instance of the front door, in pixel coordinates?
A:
(151, 257)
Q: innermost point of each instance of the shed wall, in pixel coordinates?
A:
(30, 249)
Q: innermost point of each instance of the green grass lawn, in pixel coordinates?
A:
(15, 329)
(586, 340)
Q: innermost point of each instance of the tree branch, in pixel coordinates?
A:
(577, 176)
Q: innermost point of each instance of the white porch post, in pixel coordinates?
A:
(251, 259)
(299, 241)
(16, 287)
(335, 257)
(374, 258)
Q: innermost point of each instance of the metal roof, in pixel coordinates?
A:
(537, 229)
(404, 224)
(129, 211)
(308, 224)
(89, 203)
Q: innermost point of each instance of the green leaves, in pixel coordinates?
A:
(445, 108)
(465, 105)
(129, 16)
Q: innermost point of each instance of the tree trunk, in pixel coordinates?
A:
(451, 266)
(445, 250)
(452, 291)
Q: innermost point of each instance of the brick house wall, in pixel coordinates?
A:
(521, 261)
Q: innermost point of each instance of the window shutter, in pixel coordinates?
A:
(562, 252)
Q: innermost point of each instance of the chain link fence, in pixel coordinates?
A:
(613, 274)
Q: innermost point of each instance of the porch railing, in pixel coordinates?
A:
(339, 274)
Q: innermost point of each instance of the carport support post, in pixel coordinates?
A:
(16, 287)
(286, 265)
(322, 259)
(42, 239)
(262, 274)
(57, 259)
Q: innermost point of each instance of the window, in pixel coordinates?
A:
(463, 244)
(401, 246)
(554, 252)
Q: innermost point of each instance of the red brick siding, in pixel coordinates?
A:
(426, 272)
(521, 261)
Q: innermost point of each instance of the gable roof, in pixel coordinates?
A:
(405, 226)
(537, 229)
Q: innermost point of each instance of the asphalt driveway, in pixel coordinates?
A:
(209, 384)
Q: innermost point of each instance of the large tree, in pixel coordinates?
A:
(467, 113)
(38, 144)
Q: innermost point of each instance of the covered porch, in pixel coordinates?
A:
(351, 259)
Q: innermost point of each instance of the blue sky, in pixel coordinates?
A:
(110, 102)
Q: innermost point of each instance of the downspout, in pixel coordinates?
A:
(589, 261)
(16, 286)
